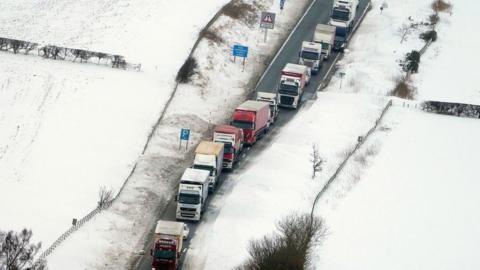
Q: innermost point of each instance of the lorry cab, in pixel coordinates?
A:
(272, 100)
(311, 56)
(192, 194)
(232, 138)
(292, 84)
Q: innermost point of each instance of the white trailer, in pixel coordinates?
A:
(325, 35)
(343, 18)
(192, 194)
(311, 56)
(209, 156)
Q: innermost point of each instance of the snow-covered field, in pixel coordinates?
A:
(416, 207)
(407, 198)
(66, 128)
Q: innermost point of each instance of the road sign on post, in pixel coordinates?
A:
(184, 136)
(240, 51)
(267, 21)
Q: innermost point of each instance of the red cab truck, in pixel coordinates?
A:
(232, 138)
(253, 118)
(167, 247)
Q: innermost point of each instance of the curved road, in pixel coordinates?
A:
(318, 13)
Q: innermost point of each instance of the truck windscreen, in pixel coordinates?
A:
(228, 149)
(291, 89)
(242, 124)
(340, 14)
(204, 167)
(309, 55)
(165, 254)
(188, 198)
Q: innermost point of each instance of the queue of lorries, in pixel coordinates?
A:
(250, 122)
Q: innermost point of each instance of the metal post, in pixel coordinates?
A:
(243, 68)
(265, 37)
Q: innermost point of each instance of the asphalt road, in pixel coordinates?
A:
(318, 13)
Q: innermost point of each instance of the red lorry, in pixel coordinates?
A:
(232, 138)
(167, 247)
(253, 117)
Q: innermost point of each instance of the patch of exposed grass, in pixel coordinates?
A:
(441, 6)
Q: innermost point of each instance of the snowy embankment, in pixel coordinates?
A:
(421, 199)
(218, 86)
(66, 129)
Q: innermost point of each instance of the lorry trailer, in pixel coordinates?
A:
(325, 35)
(253, 118)
(209, 156)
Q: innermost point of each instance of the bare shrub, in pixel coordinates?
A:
(237, 9)
(118, 61)
(441, 6)
(430, 35)
(288, 249)
(404, 30)
(105, 196)
(316, 160)
(434, 19)
(187, 70)
(211, 35)
(403, 90)
(16, 252)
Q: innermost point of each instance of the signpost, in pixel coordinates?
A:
(282, 4)
(184, 136)
(240, 51)
(267, 21)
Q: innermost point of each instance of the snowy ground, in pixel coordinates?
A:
(413, 205)
(66, 128)
(415, 208)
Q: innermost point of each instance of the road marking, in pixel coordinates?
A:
(285, 43)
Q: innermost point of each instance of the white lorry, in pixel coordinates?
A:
(325, 35)
(209, 156)
(311, 56)
(272, 99)
(292, 84)
(343, 18)
(192, 194)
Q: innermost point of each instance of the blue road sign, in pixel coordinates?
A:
(185, 134)
(240, 50)
(282, 4)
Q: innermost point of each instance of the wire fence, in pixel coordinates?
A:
(340, 168)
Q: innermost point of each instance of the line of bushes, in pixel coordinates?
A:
(289, 248)
(63, 53)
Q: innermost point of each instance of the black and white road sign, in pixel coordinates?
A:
(267, 20)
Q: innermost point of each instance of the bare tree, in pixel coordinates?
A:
(404, 30)
(316, 159)
(105, 196)
(16, 252)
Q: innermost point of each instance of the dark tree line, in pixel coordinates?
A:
(62, 53)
